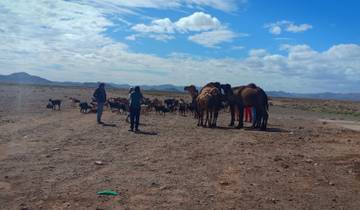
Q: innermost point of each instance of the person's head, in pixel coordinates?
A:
(101, 85)
(131, 89)
(137, 89)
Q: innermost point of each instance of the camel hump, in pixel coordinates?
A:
(252, 85)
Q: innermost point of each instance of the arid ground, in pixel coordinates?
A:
(308, 159)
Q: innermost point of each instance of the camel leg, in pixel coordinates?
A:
(241, 116)
(207, 118)
(256, 117)
(232, 110)
(211, 119)
(265, 119)
(216, 114)
(199, 118)
(259, 116)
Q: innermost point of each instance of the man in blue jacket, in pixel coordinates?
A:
(135, 99)
(100, 97)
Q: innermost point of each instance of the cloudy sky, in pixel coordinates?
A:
(297, 46)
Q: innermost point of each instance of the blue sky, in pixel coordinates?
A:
(297, 46)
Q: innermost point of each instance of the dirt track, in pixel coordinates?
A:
(47, 159)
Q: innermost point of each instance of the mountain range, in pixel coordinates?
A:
(25, 78)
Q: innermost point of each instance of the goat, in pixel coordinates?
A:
(162, 109)
(84, 106)
(55, 103)
(49, 106)
(118, 106)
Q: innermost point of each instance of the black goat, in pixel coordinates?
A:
(84, 106)
(118, 106)
(162, 109)
(55, 103)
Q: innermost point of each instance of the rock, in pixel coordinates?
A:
(224, 183)
(154, 184)
(284, 165)
(56, 149)
(300, 127)
(277, 158)
(99, 162)
(308, 160)
(331, 183)
(164, 187)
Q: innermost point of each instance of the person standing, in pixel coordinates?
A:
(131, 89)
(100, 97)
(135, 98)
(247, 113)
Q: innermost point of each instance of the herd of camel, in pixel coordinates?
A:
(210, 97)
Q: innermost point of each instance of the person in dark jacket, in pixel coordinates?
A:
(100, 97)
(135, 98)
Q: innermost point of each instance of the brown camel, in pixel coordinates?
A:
(249, 95)
(208, 101)
(194, 94)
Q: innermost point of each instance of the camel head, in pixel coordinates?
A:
(192, 90)
(227, 89)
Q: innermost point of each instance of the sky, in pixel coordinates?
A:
(303, 46)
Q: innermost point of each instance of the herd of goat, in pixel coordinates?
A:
(205, 103)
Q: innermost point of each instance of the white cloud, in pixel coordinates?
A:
(213, 32)
(36, 36)
(257, 53)
(275, 30)
(162, 37)
(237, 47)
(131, 37)
(198, 21)
(298, 28)
(128, 6)
(229, 5)
(213, 38)
(157, 26)
(277, 27)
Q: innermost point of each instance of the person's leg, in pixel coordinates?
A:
(246, 114)
(132, 117)
(99, 112)
(137, 119)
(250, 114)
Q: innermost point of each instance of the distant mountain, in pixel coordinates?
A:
(326, 95)
(25, 78)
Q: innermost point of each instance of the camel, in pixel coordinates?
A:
(208, 101)
(194, 94)
(249, 95)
